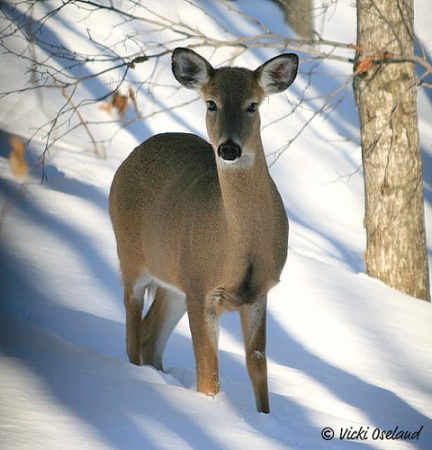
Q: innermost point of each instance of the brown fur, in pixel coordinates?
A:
(214, 235)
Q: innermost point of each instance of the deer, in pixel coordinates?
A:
(200, 227)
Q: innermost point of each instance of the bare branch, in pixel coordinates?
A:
(54, 66)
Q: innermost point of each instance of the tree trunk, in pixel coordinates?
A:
(385, 93)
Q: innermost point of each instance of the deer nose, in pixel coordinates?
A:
(229, 151)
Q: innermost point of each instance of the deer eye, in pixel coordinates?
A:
(252, 107)
(211, 105)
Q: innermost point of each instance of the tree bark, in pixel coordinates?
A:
(385, 93)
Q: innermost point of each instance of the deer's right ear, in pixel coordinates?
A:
(190, 69)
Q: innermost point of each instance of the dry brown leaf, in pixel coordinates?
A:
(120, 102)
(107, 107)
(364, 65)
(134, 102)
(17, 157)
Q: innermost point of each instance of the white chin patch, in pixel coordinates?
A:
(246, 160)
(230, 161)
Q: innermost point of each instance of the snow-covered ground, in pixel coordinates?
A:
(345, 352)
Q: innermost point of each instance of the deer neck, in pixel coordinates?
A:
(246, 196)
(250, 221)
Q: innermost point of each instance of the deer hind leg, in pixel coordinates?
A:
(204, 326)
(133, 299)
(167, 309)
(253, 320)
(132, 267)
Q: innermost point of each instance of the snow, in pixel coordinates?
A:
(344, 350)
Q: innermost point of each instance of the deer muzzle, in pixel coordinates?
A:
(229, 151)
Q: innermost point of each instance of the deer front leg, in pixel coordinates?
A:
(253, 320)
(204, 326)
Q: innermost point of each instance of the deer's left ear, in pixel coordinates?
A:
(278, 73)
